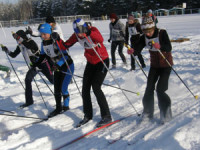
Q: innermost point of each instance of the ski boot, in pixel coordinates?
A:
(25, 105)
(54, 113)
(82, 122)
(104, 121)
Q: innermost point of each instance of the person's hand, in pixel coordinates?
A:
(156, 45)
(109, 40)
(55, 36)
(5, 49)
(81, 35)
(130, 51)
(29, 30)
(55, 68)
(32, 65)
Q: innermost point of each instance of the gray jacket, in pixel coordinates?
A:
(117, 31)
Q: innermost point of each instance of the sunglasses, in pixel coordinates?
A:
(17, 37)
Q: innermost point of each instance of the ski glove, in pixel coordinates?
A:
(55, 36)
(55, 68)
(130, 51)
(5, 49)
(156, 45)
(29, 30)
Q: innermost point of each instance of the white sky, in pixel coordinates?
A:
(9, 1)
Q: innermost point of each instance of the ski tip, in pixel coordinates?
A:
(138, 93)
(196, 97)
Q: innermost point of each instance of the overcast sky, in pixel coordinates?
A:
(9, 1)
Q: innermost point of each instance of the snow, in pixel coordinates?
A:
(180, 133)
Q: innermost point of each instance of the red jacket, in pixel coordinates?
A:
(90, 54)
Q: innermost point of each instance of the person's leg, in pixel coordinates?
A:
(148, 99)
(87, 103)
(87, 81)
(113, 49)
(58, 78)
(66, 82)
(164, 101)
(132, 63)
(120, 50)
(141, 60)
(46, 70)
(98, 78)
(28, 90)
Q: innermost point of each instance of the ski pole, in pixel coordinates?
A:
(195, 96)
(23, 116)
(3, 30)
(6, 111)
(112, 76)
(129, 48)
(45, 83)
(105, 84)
(68, 67)
(13, 68)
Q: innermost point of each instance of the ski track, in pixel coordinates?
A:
(180, 133)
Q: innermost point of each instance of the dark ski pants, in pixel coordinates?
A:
(62, 79)
(161, 76)
(94, 76)
(141, 60)
(139, 55)
(45, 69)
(120, 45)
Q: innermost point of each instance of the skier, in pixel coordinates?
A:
(95, 71)
(55, 28)
(117, 33)
(133, 28)
(63, 71)
(150, 14)
(30, 51)
(5, 69)
(156, 39)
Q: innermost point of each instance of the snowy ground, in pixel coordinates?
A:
(181, 133)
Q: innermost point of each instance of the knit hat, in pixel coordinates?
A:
(50, 19)
(149, 11)
(147, 24)
(131, 17)
(113, 16)
(80, 26)
(45, 28)
(22, 34)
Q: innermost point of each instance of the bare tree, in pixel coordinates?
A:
(25, 8)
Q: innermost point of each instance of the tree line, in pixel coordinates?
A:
(28, 9)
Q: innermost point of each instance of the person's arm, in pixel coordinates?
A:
(165, 44)
(15, 53)
(71, 41)
(110, 31)
(126, 34)
(141, 44)
(122, 29)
